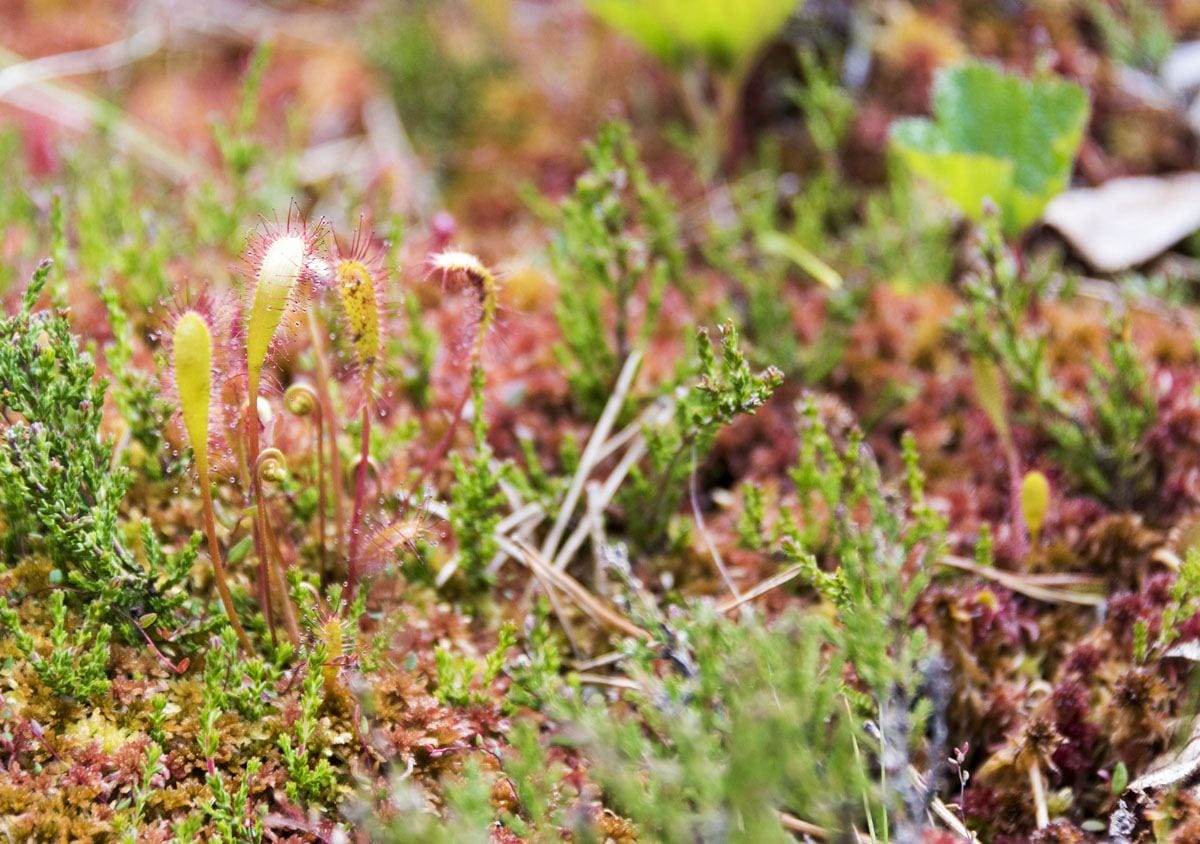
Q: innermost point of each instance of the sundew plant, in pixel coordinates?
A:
(699, 432)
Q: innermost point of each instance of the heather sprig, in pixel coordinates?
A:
(59, 491)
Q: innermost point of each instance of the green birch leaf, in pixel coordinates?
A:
(997, 136)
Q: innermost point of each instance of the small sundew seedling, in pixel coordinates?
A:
(457, 265)
(192, 357)
(359, 282)
(1035, 501)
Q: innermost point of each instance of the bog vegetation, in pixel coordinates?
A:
(746, 467)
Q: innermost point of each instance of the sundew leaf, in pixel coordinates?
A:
(723, 33)
(996, 135)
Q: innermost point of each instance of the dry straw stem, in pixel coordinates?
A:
(1051, 588)
(523, 551)
(591, 452)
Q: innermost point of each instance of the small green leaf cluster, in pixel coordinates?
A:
(1101, 444)
(535, 672)
(133, 807)
(76, 663)
(881, 547)
(680, 32)
(476, 499)
(695, 757)
(463, 680)
(226, 811)
(234, 682)
(616, 239)
(311, 777)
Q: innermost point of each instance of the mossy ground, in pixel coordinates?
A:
(582, 728)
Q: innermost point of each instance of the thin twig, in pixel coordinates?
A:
(1030, 585)
(603, 497)
(794, 824)
(139, 45)
(708, 541)
(761, 589)
(524, 552)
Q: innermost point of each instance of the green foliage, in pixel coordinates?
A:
(696, 757)
(436, 90)
(226, 811)
(75, 664)
(58, 489)
(135, 805)
(535, 672)
(309, 780)
(880, 567)
(880, 548)
(476, 498)
(463, 680)
(617, 238)
(1100, 443)
(679, 32)
(134, 391)
(995, 135)
(539, 785)
(250, 182)
(1182, 604)
(1134, 34)
(760, 254)
(467, 818)
(725, 387)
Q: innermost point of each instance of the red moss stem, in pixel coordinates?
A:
(360, 495)
(326, 402)
(214, 551)
(263, 580)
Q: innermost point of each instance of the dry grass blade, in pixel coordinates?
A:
(772, 582)
(1033, 586)
(591, 452)
(794, 824)
(587, 602)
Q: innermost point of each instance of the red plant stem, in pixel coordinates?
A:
(214, 552)
(439, 450)
(322, 526)
(289, 612)
(360, 496)
(263, 580)
(326, 402)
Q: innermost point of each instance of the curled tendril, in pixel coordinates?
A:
(372, 468)
(301, 399)
(271, 465)
(263, 406)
